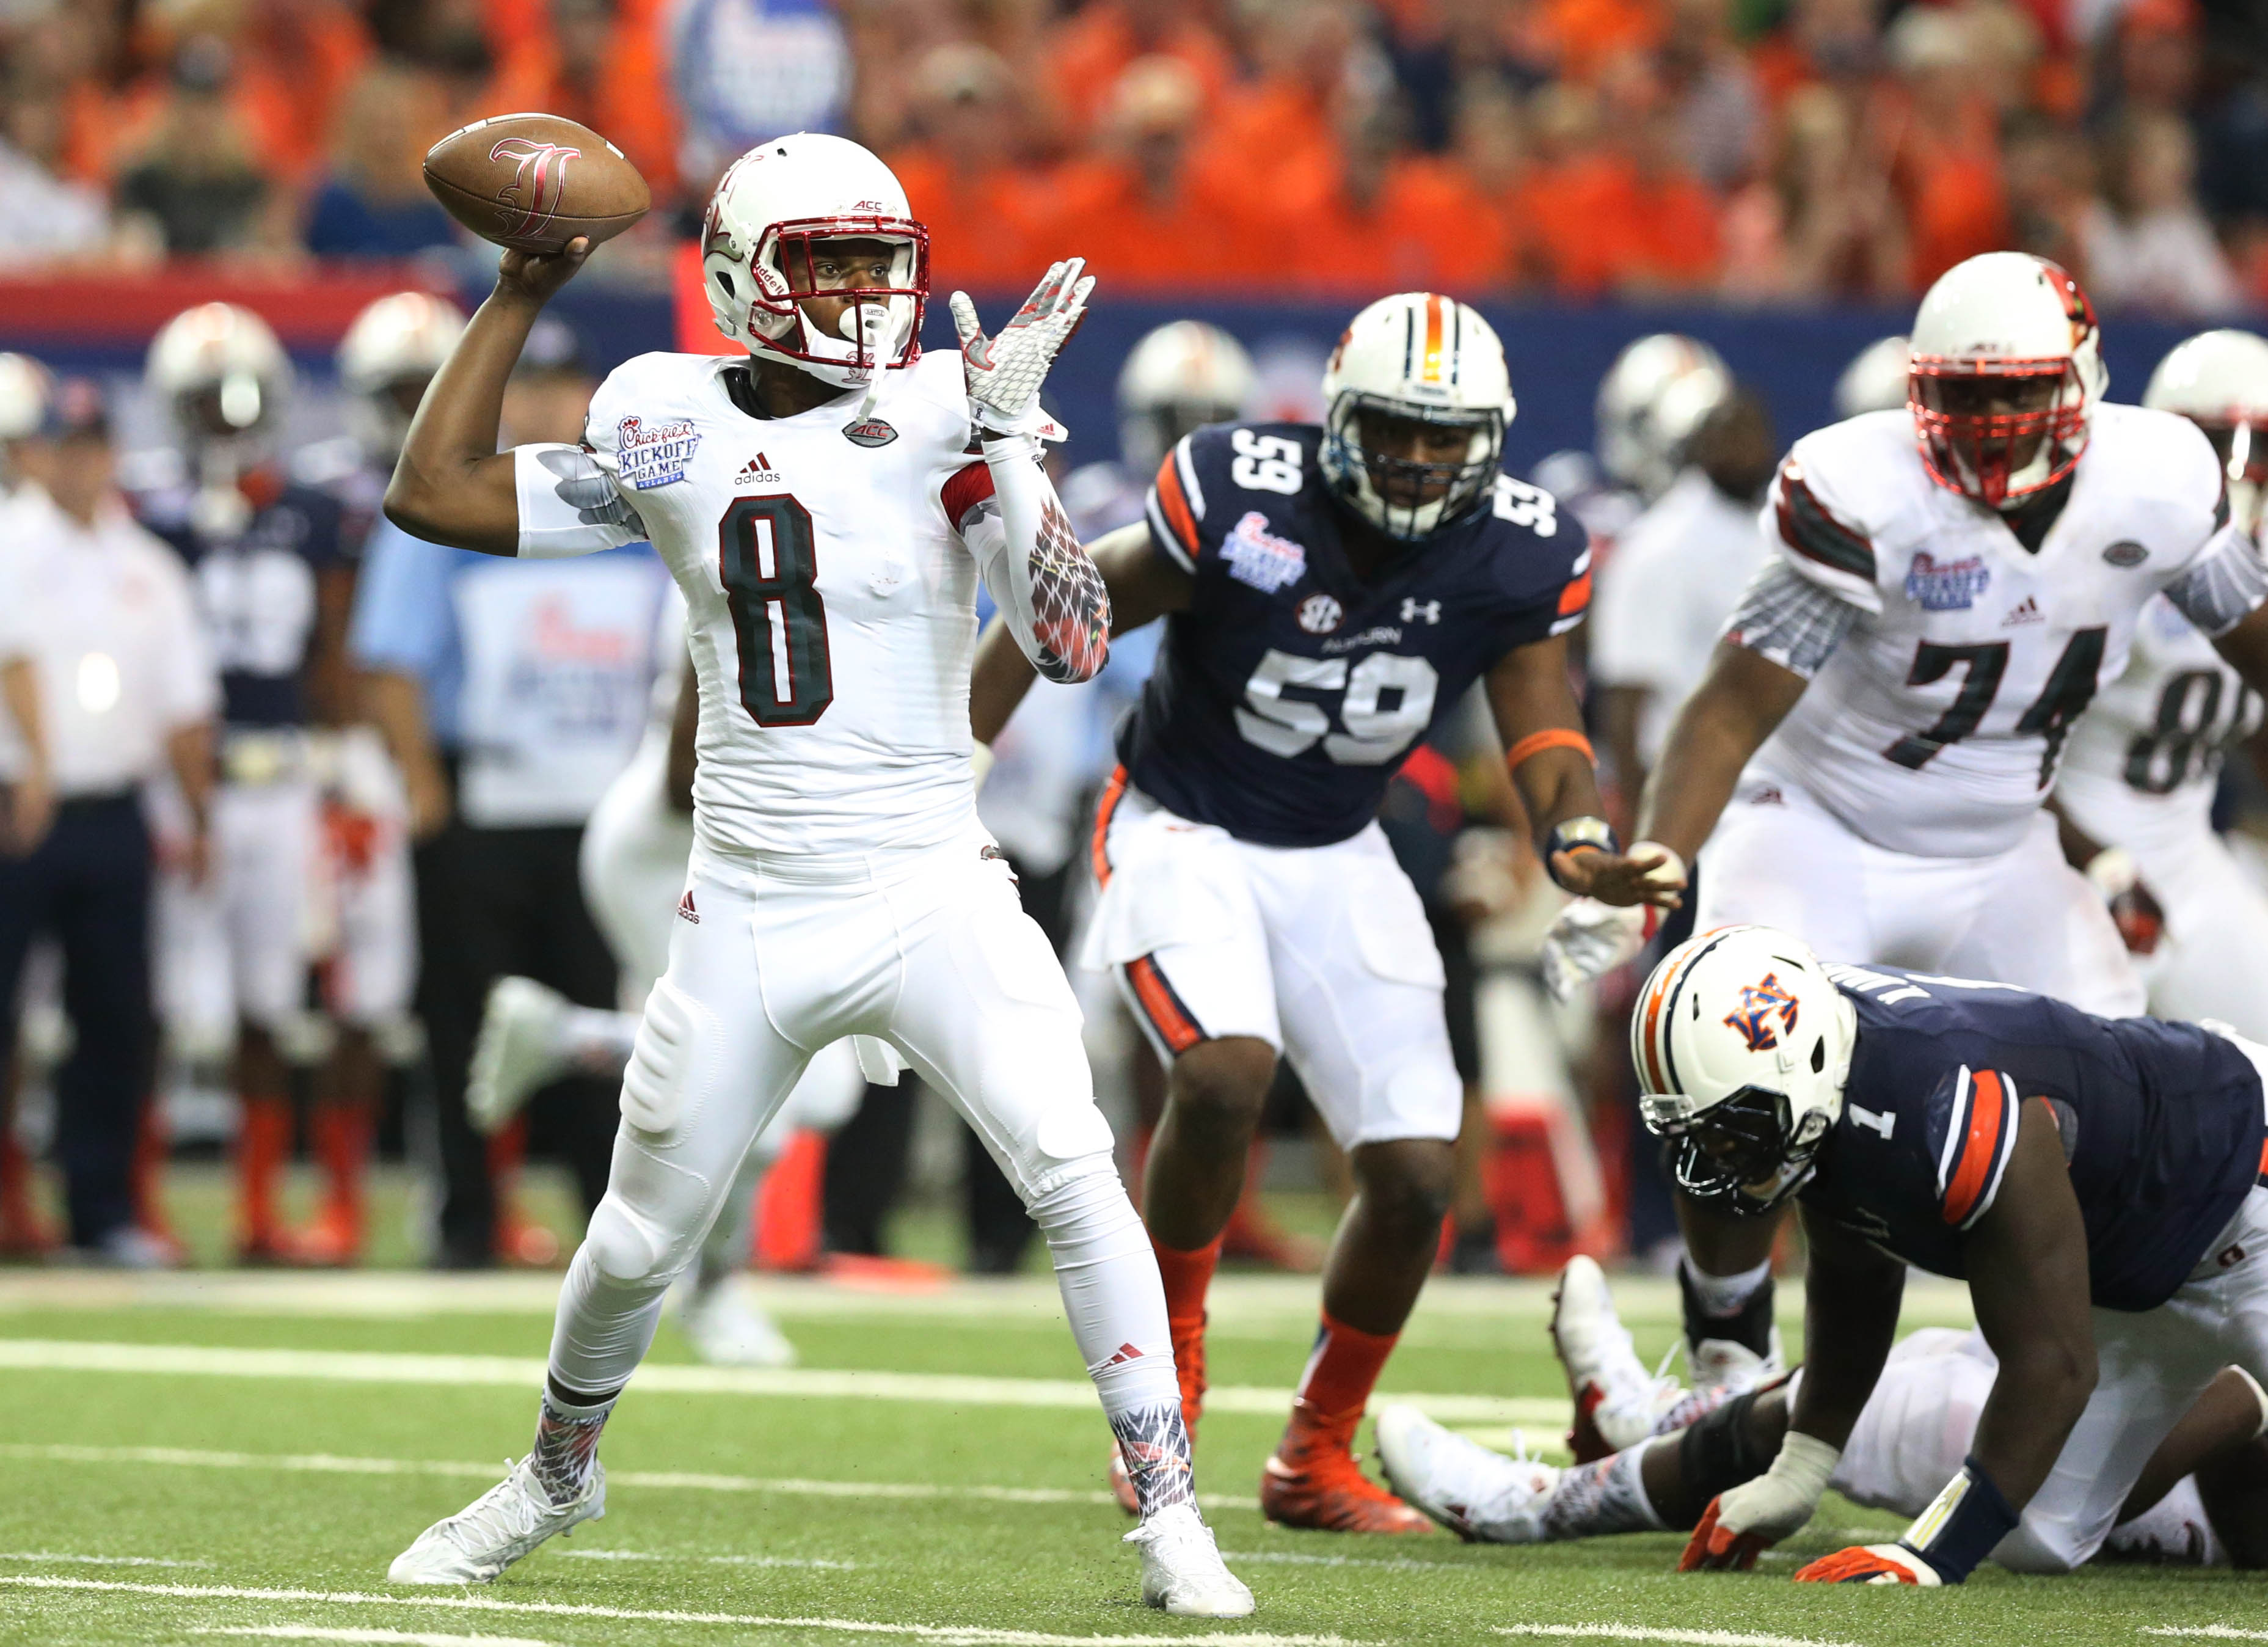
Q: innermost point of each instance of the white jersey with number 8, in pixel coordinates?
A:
(830, 599)
(1936, 724)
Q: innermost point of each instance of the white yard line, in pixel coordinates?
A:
(972, 1635)
(946, 1389)
(1663, 1633)
(329, 1464)
(2206, 1632)
(405, 1638)
(59, 1558)
(1400, 1564)
(713, 1561)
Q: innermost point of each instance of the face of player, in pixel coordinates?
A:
(226, 410)
(840, 266)
(1411, 461)
(79, 470)
(2009, 413)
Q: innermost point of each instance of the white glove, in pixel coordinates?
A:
(1005, 372)
(1778, 1502)
(1589, 939)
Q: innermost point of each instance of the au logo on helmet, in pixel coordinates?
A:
(540, 184)
(1759, 1002)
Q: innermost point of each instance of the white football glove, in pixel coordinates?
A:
(1005, 371)
(1589, 939)
(1743, 1520)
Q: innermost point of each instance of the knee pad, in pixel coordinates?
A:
(649, 1224)
(1051, 1145)
(1716, 1453)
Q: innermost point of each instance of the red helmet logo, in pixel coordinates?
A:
(538, 183)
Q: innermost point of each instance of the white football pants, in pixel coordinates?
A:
(773, 958)
(2022, 916)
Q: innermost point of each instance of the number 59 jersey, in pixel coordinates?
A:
(830, 601)
(1289, 691)
(1935, 725)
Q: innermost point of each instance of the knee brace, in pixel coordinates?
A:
(1717, 1454)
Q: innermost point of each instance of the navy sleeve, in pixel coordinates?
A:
(1542, 557)
(1193, 473)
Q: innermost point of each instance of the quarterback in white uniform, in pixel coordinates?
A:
(1868, 758)
(826, 504)
(2140, 777)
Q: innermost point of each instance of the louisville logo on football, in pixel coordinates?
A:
(1759, 1002)
(538, 183)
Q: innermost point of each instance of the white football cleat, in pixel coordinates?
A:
(1724, 1368)
(726, 1329)
(496, 1529)
(1182, 1569)
(1618, 1402)
(1482, 1496)
(519, 1049)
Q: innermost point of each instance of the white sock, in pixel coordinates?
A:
(1602, 1497)
(1723, 1295)
(1116, 1304)
(598, 1041)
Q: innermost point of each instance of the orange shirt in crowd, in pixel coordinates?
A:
(1091, 49)
(630, 106)
(1428, 229)
(1606, 229)
(1591, 33)
(986, 232)
(1274, 130)
(1212, 233)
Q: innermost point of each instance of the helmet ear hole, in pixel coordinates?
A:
(1818, 1055)
(725, 279)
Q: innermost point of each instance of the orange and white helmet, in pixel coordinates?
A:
(393, 348)
(2219, 381)
(776, 200)
(1742, 1045)
(1421, 356)
(221, 368)
(2007, 367)
(1659, 390)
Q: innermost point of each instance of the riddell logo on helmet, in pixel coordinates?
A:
(539, 184)
(1759, 1002)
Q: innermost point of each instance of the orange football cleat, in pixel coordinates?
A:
(1313, 1480)
(331, 1240)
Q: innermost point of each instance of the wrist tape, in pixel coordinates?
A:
(1963, 1524)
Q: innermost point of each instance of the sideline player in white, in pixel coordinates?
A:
(636, 849)
(2197, 1502)
(1867, 757)
(2144, 761)
(819, 505)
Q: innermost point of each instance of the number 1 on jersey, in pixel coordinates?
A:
(769, 567)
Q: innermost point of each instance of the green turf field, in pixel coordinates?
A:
(203, 1456)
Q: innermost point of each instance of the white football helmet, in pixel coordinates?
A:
(388, 355)
(1742, 1045)
(1657, 392)
(1875, 379)
(1180, 377)
(779, 198)
(1423, 357)
(221, 370)
(2219, 381)
(25, 386)
(2007, 367)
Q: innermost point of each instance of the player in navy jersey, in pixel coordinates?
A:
(2096, 1181)
(273, 582)
(1329, 593)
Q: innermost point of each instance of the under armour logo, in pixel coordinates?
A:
(1412, 609)
(1759, 1002)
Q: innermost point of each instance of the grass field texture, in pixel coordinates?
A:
(199, 1458)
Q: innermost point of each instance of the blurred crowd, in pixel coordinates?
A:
(1754, 151)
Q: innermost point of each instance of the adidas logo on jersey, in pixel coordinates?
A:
(2028, 613)
(685, 910)
(757, 471)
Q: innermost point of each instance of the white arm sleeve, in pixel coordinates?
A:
(569, 503)
(1042, 580)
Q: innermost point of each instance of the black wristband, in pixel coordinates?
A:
(1594, 834)
(1963, 1524)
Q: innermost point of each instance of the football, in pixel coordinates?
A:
(534, 182)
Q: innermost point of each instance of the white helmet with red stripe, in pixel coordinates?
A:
(1415, 357)
(779, 199)
(2219, 381)
(2007, 366)
(1742, 1045)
